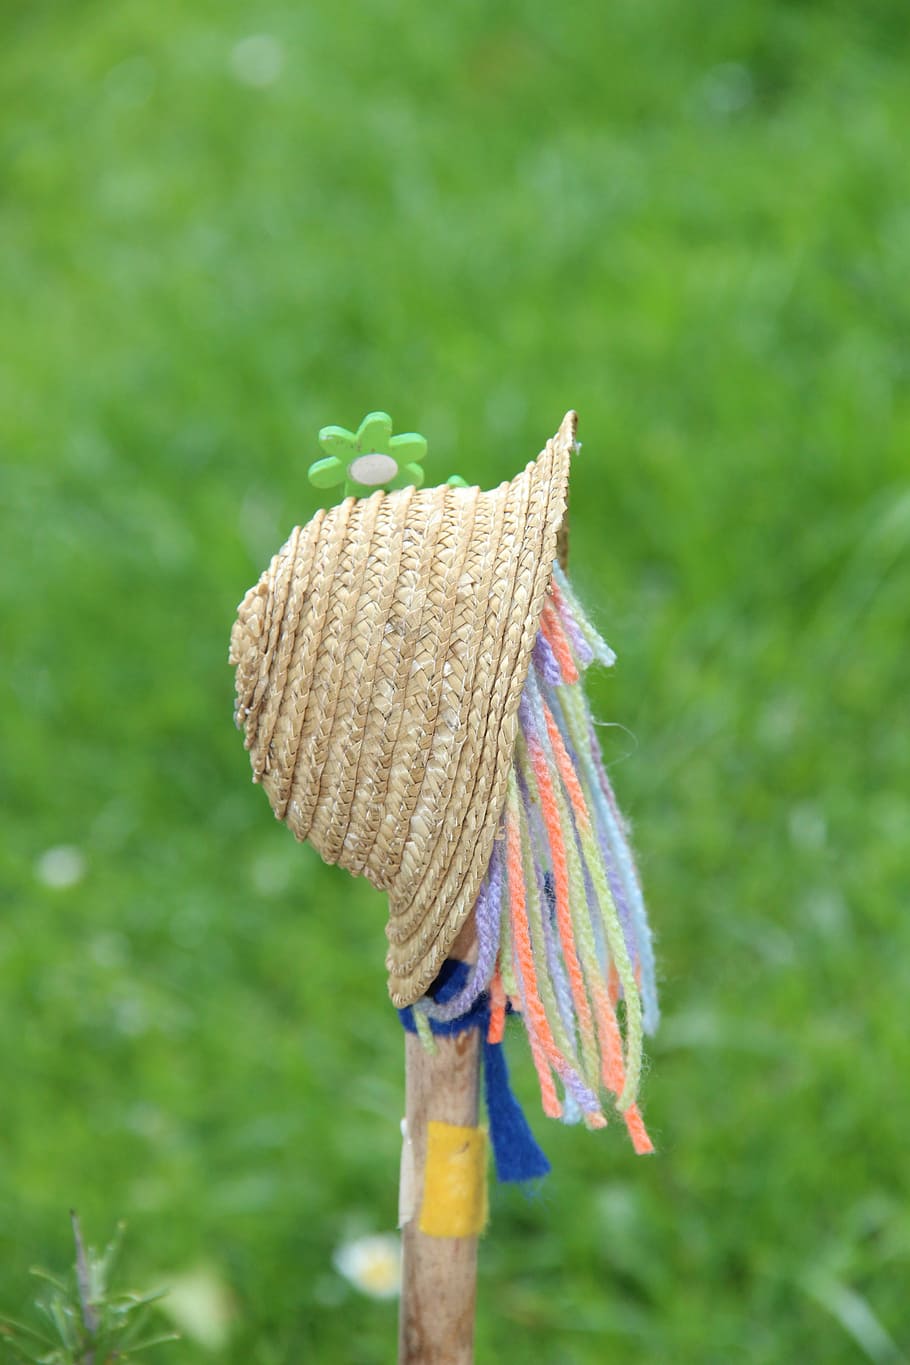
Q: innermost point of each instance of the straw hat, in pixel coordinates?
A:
(380, 661)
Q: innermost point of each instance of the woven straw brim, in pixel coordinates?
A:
(380, 662)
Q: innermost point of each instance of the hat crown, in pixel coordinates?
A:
(379, 665)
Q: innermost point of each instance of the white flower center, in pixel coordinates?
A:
(372, 469)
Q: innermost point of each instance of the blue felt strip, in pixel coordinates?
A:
(515, 1149)
(516, 1153)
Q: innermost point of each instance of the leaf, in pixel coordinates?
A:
(128, 1303)
(17, 1326)
(20, 1351)
(63, 1321)
(856, 1316)
(106, 1263)
(130, 1328)
(155, 1341)
(51, 1279)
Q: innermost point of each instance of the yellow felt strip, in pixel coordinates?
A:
(454, 1181)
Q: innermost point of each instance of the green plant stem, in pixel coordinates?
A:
(83, 1280)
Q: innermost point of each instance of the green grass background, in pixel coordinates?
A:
(689, 221)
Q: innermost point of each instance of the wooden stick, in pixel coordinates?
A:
(439, 1274)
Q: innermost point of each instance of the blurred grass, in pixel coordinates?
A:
(690, 223)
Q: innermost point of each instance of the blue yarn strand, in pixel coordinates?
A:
(516, 1153)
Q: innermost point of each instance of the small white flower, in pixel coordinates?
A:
(726, 90)
(271, 872)
(371, 1264)
(200, 1305)
(257, 60)
(807, 827)
(61, 866)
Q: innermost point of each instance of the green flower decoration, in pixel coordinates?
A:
(369, 459)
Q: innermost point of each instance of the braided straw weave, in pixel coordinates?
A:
(380, 662)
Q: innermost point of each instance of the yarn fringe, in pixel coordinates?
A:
(562, 932)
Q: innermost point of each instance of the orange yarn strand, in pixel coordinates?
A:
(558, 641)
(561, 888)
(497, 1028)
(612, 1068)
(637, 1131)
(535, 1015)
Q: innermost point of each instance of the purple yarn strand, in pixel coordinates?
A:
(545, 661)
(584, 654)
(600, 864)
(487, 911)
(613, 878)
